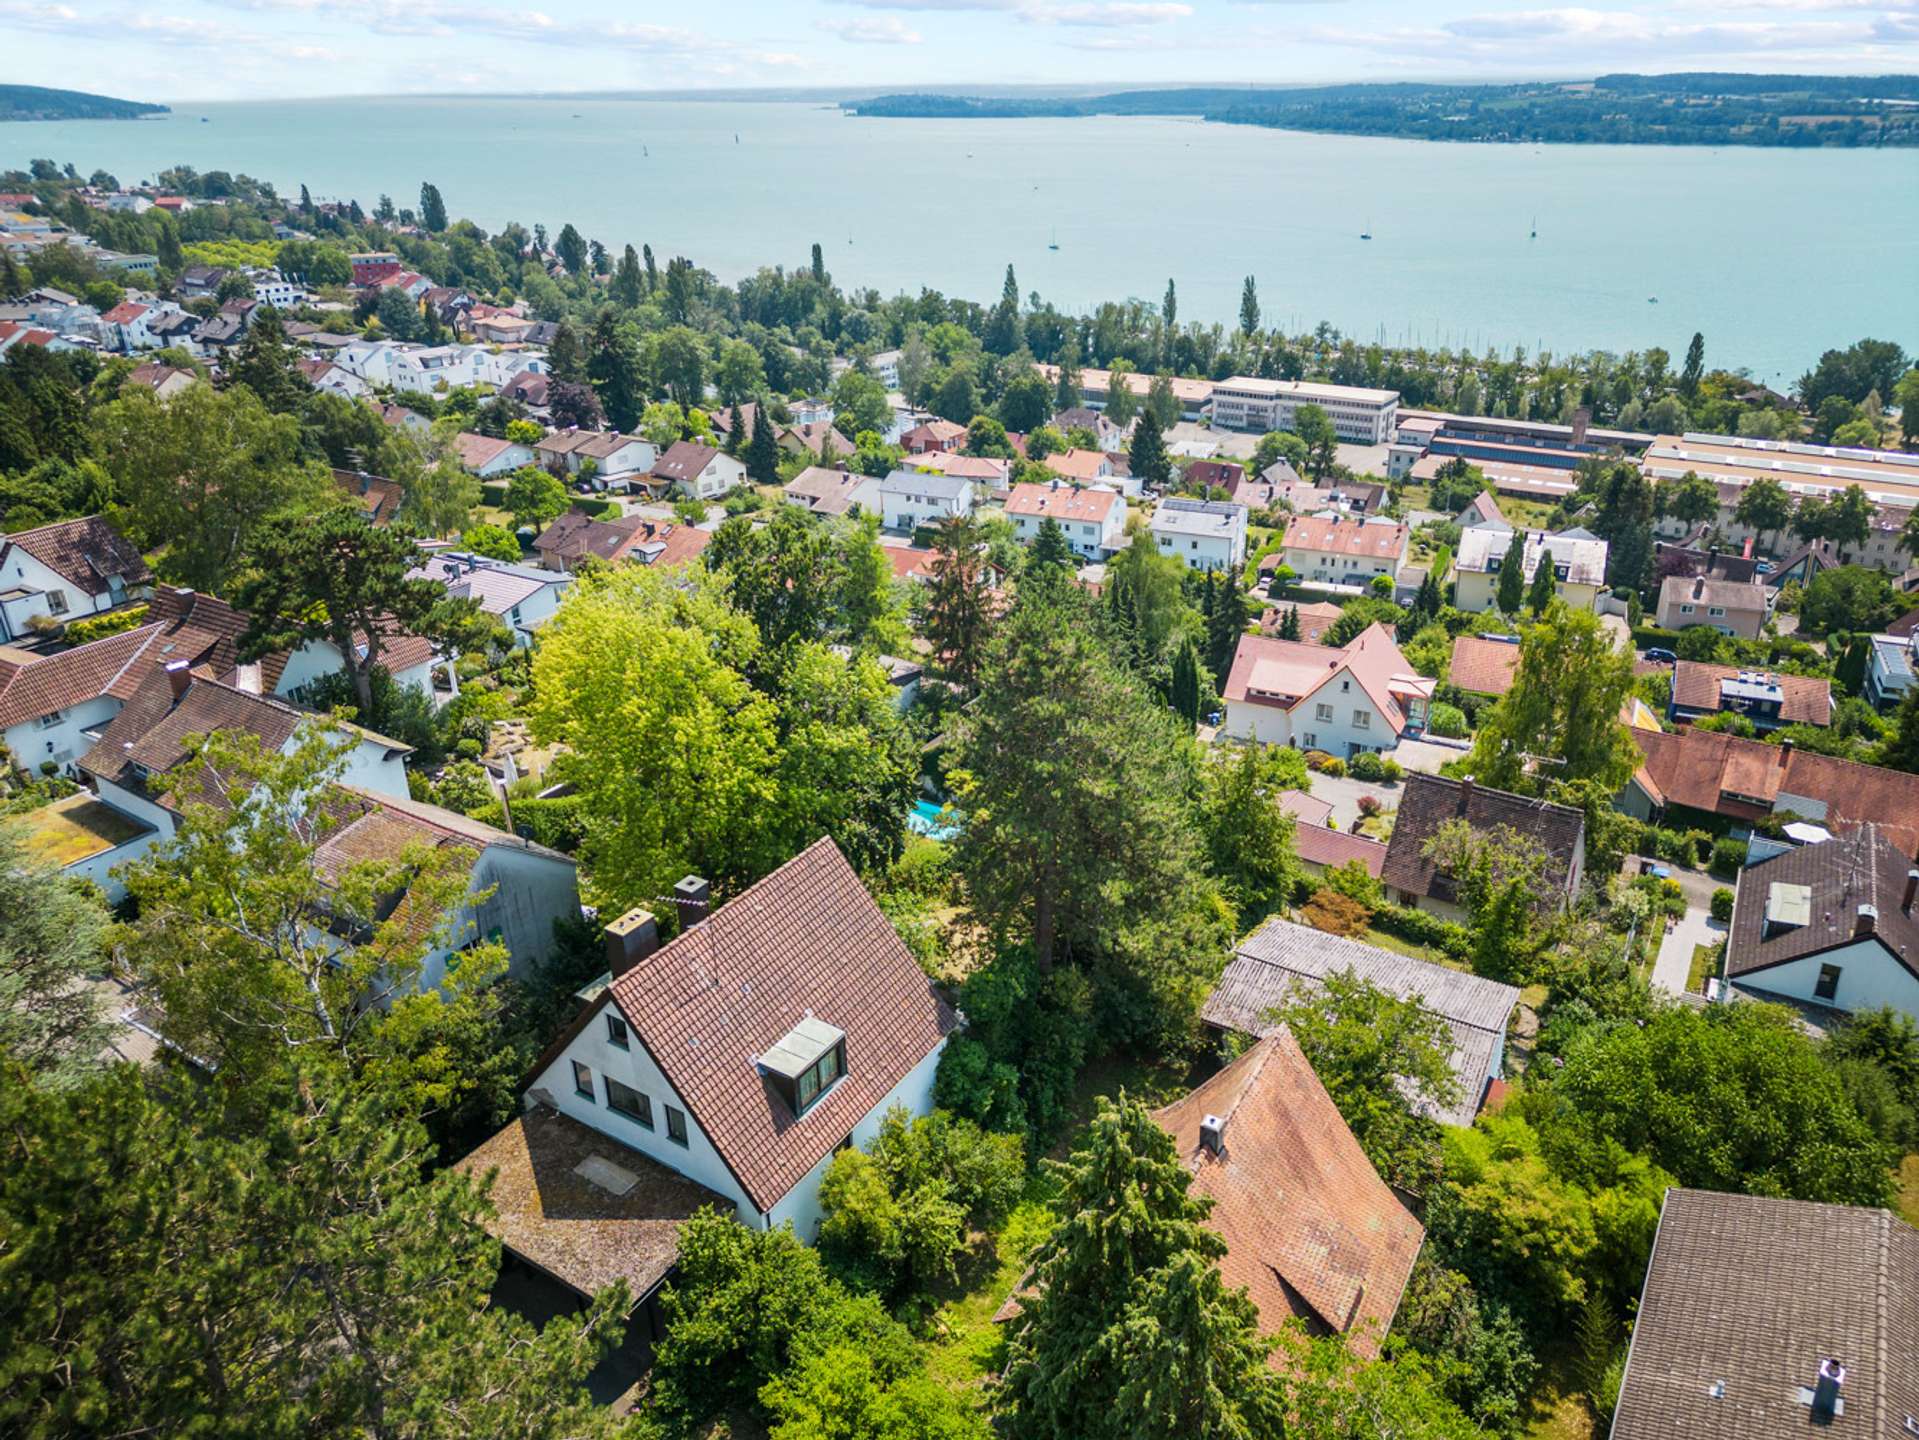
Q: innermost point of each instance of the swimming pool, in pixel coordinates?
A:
(933, 820)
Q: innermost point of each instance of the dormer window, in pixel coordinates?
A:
(806, 1062)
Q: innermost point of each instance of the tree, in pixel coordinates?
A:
(1693, 500)
(200, 474)
(1542, 591)
(1849, 598)
(1901, 749)
(1249, 838)
(565, 357)
(1185, 694)
(1169, 307)
(1849, 518)
(1122, 401)
(1162, 402)
(739, 373)
(432, 209)
(762, 451)
(267, 365)
(679, 290)
(629, 284)
(1622, 517)
(1129, 1330)
(534, 497)
(1498, 874)
(1315, 430)
(340, 579)
(986, 437)
(1076, 784)
(1289, 623)
(957, 620)
(493, 542)
(1764, 508)
(52, 937)
(1905, 395)
(1695, 366)
(1853, 373)
(439, 498)
(1002, 335)
(1225, 625)
(1066, 394)
(1147, 452)
(300, 1266)
(860, 403)
(1512, 573)
(1562, 713)
(1274, 446)
(1249, 308)
(673, 751)
(1384, 1060)
(573, 405)
(1025, 400)
(957, 396)
(613, 365)
(571, 248)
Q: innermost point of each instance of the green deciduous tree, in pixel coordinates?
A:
(1249, 838)
(1560, 720)
(1314, 427)
(1764, 507)
(534, 497)
(432, 208)
(52, 938)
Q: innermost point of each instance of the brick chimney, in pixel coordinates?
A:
(177, 677)
(630, 939)
(1866, 920)
(692, 898)
(1825, 1391)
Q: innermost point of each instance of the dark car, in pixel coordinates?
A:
(1663, 657)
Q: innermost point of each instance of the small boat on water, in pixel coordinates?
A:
(1652, 299)
(1053, 244)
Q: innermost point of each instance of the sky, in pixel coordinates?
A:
(266, 49)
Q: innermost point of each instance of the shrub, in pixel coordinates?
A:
(1421, 928)
(1334, 767)
(493, 493)
(1391, 771)
(1728, 855)
(1336, 914)
(1369, 805)
(96, 627)
(1316, 760)
(1722, 904)
(1447, 721)
(1367, 765)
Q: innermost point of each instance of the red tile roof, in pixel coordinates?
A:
(910, 562)
(1485, 667)
(1346, 535)
(381, 497)
(1804, 699)
(37, 685)
(84, 552)
(1319, 845)
(1062, 502)
(1267, 671)
(475, 452)
(125, 313)
(148, 736)
(807, 939)
(1311, 1230)
(684, 460)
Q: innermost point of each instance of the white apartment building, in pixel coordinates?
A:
(912, 498)
(270, 287)
(1359, 415)
(1093, 520)
(1202, 534)
(1344, 552)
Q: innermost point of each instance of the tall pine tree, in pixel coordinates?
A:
(1186, 683)
(762, 451)
(1150, 463)
(1540, 594)
(1225, 624)
(1512, 574)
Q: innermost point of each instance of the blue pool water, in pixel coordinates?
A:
(932, 820)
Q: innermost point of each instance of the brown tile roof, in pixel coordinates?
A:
(1346, 535)
(826, 491)
(1224, 473)
(683, 461)
(815, 433)
(1079, 464)
(1804, 699)
(476, 452)
(581, 1233)
(381, 497)
(1311, 1230)
(1429, 801)
(148, 736)
(1839, 875)
(1744, 597)
(1062, 502)
(1282, 673)
(1746, 1295)
(1708, 771)
(116, 665)
(1314, 620)
(670, 545)
(184, 610)
(807, 939)
(1321, 845)
(577, 534)
(84, 552)
(1485, 667)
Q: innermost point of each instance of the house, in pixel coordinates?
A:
(1331, 552)
(60, 572)
(1764, 697)
(1087, 467)
(616, 459)
(1829, 924)
(1889, 669)
(698, 471)
(530, 389)
(770, 1033)
(1314, 620)
(1320, 848)
(1484, 664)
(1430, 802)
(13, 333)
(198, 280)
(910, 499)
(1764, 1316)
(933, 435)
(1579, 566)
(325, 375)
(486, 456)
(1363, 696)
(1731, 607)
(370, 267)
(501, 329)
(833, 492)
(987, 473)
(1712, 773)
(1203, 534)
(576, 535)
(1106, 435)
(814, 436)
(126, 326)
(1254, 494)
(166, 381)
(1281, 963)
(1482, 510)
(520, 597)
(1093, 521)
(1312, 1233)
(1219, 475)
(379, 497)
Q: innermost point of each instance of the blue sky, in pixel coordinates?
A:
(241, 49)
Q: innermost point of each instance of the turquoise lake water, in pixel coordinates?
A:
(1774, 255)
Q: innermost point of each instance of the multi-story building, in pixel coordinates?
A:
(1202, 534)
(1332, 550)
(912, 498)
(1579, 566)
(1093, 520)
(1359, 415)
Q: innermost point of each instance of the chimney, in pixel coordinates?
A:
(249, 679)
(1866, 921)
(1912, 890)
(630, 939)
(1212, 1134)
(1582, 417)
(1698, 587)
(1465, 791)
(1825, 1391)
(177, 677)
(690, 899)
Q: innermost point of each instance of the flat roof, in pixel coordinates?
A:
(1307, 389)
(75, 829)
(621, 1224)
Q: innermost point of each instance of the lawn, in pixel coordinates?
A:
(1705, 962)
(1411, 947)
(1908, 1188)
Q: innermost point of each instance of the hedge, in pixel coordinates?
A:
(1422, 928)
(94, 627)
(559, 823)
(493, 493)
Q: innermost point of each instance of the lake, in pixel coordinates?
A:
(1775, 255)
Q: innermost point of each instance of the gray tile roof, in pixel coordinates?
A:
(1430, 801)
(1745, 1296)
(917, 482)
(1280, 960)
(1839, 876)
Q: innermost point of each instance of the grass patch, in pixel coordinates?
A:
(1907, 1185)
(1705, 962)
(1401, 946)
(1559, 1410)
(965, 1347)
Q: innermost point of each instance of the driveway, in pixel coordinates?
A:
(1672, 968)
(1427, 756)
(1343, 795)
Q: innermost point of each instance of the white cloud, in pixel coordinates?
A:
(1111, 14)
(878, 30)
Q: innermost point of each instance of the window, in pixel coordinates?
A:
(56, 602)
(616, 1031)
(1322, 712)
(1309, 740)
(1345, 685)
(1362, 719)
(629, 1102)
(582, 1080)
(1716, 611)
(1685, 609)
(676, 1125)
(1828, 986)
(47, 722)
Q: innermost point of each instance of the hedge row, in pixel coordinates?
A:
(558, 823)
(95, 627)
(1421, 928)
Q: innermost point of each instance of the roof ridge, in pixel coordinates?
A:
(1881, 1283)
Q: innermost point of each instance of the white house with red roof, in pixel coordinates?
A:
(126, 326)
(769, 1034)
(1092, 519)
(1362, 696)
(55, 573)
(1344, 552)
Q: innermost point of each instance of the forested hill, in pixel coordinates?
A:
(1687, 109)
(33, 102)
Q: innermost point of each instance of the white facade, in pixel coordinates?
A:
(1360, 415)
(29, 589)
(270, 287)
(427, 369)
(699, 1159)
(530, 891)
(1868, 978)
(1339, 718)
(910, 499)
(720, 475)
(60, 736)
(1201, 534)
(1090, 539)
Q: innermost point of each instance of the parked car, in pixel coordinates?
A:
(1663, 657)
